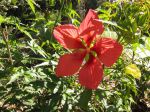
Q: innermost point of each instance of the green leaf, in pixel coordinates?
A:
(135, 46)
(113, 24)
(134, 25)
(133, 70)
(85, 98)
(65, 106)
(42, 64)
(119, 102)
(52, 2)
(22, 29)
(49, 23)
(148, 43)
(14, 1)
(55, 99)
(37, 49)
(110, 34)
(142, 18)
(13, 78)
(1, 19)
(31, 4)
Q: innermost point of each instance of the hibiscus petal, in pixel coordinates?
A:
(67, 36)
(98, 25)
(87, 22)
(90, 27)
(108, 50)
(69, 64)
(91, 74)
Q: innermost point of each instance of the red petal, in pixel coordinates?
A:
(87, 22)
(98, 25)
(90, 27)
(67, 36)
(69, 64)
(108, 50)
(91, 74)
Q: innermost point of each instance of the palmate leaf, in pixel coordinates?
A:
(133, 70)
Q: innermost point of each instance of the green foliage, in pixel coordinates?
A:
(85, 97)
(31, 4)
(29, 55)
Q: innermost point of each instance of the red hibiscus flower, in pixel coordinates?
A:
(89, 50)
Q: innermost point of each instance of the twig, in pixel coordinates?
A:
(5, 38)
(133, 57)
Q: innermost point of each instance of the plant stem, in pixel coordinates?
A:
(133, 57)
(5, 38)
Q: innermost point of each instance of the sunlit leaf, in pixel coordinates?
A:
(110, 34)
(148, 43)
(51, 2)
(22, 29)
(13, 78)
(14, 1)
(113, 24)
(133, 70)
(1, 19)
(31, 4)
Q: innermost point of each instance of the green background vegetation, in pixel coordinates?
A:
(29, 54)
